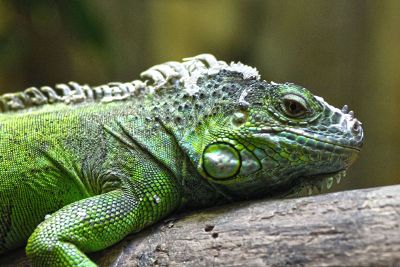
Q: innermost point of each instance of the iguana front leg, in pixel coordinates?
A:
(97, 222)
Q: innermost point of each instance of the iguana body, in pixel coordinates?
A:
(82, 167)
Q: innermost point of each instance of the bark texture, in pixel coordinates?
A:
(351, 228)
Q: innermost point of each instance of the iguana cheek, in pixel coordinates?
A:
(221, 161)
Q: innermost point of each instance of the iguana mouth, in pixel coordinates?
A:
(323, 139)
(318, 138)
(309, 184)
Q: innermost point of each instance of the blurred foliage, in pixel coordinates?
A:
(344, 50)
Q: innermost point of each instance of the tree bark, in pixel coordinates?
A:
(351, 228)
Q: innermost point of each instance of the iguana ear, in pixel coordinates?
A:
(225, 163)
(220, 161)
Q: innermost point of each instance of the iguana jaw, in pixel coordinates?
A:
(322, 181)
(308, 185)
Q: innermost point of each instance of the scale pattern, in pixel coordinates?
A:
(82, 167)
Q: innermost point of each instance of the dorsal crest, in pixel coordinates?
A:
(154, 79)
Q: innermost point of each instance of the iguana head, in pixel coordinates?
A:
(279, 138)
(248, 137)
(257, 138)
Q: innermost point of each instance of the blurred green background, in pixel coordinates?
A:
(345, 50)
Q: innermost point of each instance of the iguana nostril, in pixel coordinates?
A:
(356, 128)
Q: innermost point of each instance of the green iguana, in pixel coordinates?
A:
(82, 167)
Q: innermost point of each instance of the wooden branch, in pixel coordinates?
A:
(351, 228)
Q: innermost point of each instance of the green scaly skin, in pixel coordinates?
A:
(82, 169)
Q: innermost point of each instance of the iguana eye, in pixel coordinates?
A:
(294, 106)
